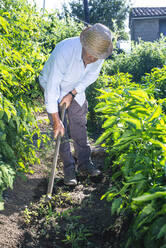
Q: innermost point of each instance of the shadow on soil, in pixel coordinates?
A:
(24, 192)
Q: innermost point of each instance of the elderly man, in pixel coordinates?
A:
(74, 64)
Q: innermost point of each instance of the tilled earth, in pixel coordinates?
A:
(74, 217)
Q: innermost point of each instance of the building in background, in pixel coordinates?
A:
(147, 23)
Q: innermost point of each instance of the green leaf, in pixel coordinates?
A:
(103, 136)
(116, 175)
(109, 122)
(7, 175)
(148, 209)
(140, 93)
(116, 205)
(132, 115)
(121, 147)
(162, 232)
(149, 197)
(141, 110)
(4, 23)
(1, 206)
(2, 125)
(136, 178)
(124, 189)
(155, 114)
(157, 142)
(2, 136)
(104, 109)
(124, 142)
(38, 143)
(1, 114)
(134, 122)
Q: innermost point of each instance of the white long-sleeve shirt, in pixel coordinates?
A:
(65, 71)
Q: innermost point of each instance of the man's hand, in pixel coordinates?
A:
(58, 129)
(58, 126)
(67, 100)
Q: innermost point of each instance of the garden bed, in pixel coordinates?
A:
(74, 217)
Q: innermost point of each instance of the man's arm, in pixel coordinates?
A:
(57, 123)
(57, 67)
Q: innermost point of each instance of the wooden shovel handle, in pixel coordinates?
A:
(56, 152)
(63, 109)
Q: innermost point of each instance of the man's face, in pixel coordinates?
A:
(87, 58)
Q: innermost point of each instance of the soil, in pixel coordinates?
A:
(79, 208)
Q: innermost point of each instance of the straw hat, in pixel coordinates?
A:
(97, 41)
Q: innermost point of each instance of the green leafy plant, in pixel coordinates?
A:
(7, 175)
(134, 136)
(76, 235)
(149, 222)
(26, 37)
(92, 93)
(141, 60)
(157, 81)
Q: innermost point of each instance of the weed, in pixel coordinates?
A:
(76, 235)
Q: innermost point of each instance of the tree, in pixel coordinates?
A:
(108, 12)
(86, 10)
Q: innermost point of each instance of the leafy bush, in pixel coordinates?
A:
(19, 53)
(17, 127)
(7, 174)
(26, 39)
(157, 81)
(142, 59)
(154, 81)
(94, 121)
(135, 137)
(92, 93)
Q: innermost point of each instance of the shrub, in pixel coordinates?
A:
(92, 93)
(142, 59)
(135, 137)
(157, 81)
(26, 36)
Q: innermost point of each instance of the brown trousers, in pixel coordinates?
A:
(75, 128)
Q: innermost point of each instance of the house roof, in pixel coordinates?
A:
(148, 12)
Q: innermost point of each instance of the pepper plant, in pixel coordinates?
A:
(135, 138)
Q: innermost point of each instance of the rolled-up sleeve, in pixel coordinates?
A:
(57, 66)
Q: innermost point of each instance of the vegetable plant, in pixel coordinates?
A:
(135, 138)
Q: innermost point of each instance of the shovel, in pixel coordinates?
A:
(56, 152)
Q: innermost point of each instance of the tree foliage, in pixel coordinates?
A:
(102, 11)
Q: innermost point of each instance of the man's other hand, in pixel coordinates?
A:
(58, 129)
(67, 100)
(58, 126)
